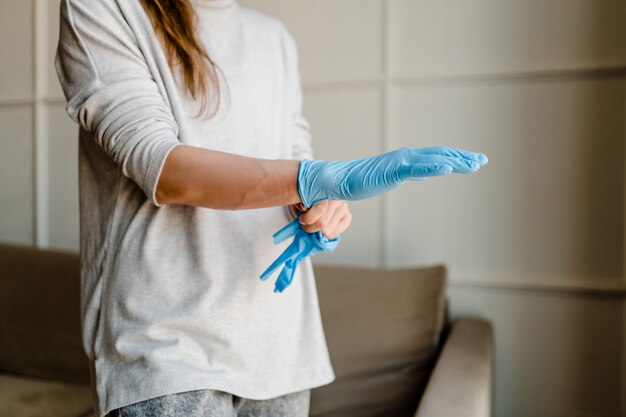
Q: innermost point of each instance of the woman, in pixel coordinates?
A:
(192, 152)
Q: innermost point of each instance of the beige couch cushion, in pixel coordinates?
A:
(40, 315)
(26, 397)
(383, 329)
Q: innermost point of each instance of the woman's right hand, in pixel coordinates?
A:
(366, 177)
(331, 217)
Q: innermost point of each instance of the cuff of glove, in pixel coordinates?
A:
(303, 173)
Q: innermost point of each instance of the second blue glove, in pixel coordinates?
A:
(304, 244)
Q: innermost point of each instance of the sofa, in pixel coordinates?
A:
(394, 350)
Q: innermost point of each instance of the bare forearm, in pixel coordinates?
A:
(201, 177)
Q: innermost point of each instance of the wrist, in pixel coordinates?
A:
(303, 186)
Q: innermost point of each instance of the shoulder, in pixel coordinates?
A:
(91, 14)
(101, 24)
(101, 12)
(85, 7)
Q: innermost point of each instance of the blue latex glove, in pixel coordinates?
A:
(304, 244)
(366, 177)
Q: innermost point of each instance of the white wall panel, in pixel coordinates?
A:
(337, 40)
(16, 38)
(16, 175)
(461, 37)
(550, 201)
(62, 184)
(556, 354)
(346, 124)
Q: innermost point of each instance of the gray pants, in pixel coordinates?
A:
(212, 403)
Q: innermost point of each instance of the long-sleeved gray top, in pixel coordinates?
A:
(171, 297)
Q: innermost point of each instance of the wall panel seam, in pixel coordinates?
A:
(563, 74)
(385, 132)
(40, 186)
(34, 128)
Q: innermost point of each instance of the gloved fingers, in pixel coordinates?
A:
(481, 158)
(423, 170)
(459, 165)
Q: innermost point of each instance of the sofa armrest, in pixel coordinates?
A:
(461, 383)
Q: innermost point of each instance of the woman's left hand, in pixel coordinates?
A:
(332, 217)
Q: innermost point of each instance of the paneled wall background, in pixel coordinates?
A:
(533, 242)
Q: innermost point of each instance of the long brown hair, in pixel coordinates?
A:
(174, 22)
